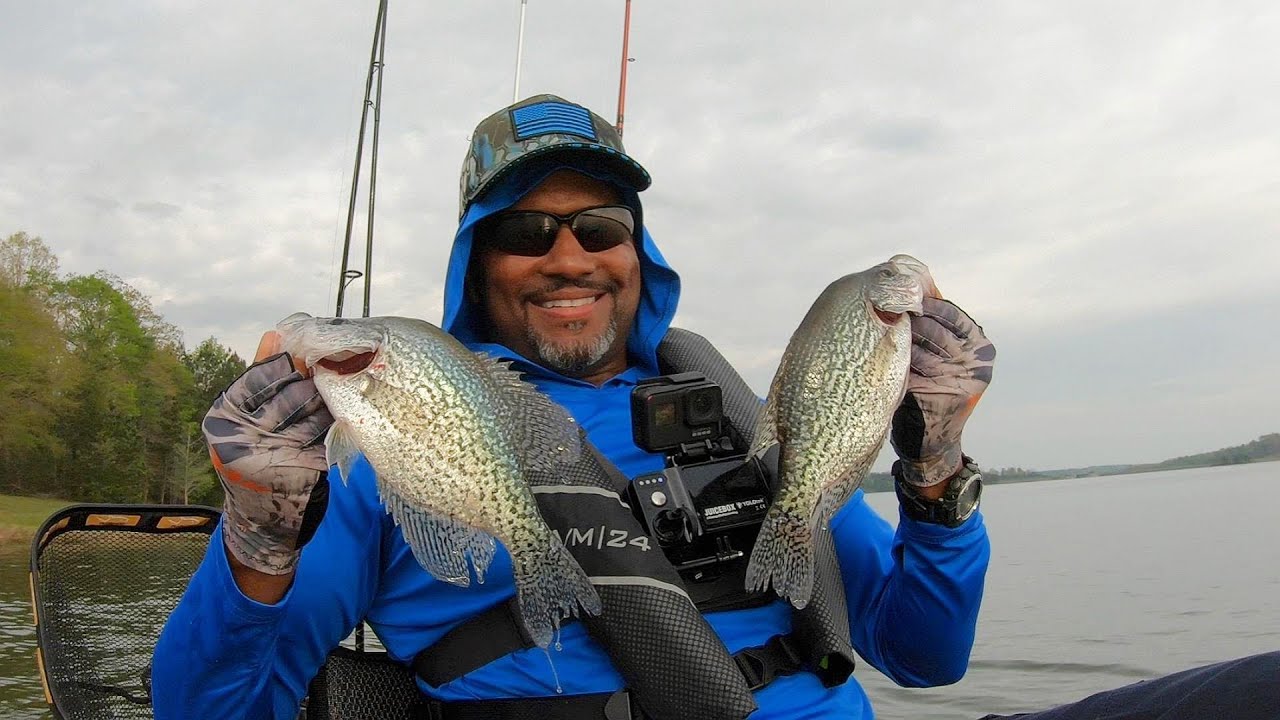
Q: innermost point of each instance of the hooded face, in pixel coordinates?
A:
(569, 310)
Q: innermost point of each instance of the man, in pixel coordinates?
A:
(553, 269)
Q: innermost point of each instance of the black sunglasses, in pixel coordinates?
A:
(532, 234)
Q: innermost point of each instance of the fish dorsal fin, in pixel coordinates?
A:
(766, 427)
(546, 434)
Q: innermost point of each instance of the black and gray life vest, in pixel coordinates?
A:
(651, 624)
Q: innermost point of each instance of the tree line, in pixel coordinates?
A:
(99, 399)
(1264, 448)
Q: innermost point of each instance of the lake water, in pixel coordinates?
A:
(1094, 583)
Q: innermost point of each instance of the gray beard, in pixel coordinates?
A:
(576, 358)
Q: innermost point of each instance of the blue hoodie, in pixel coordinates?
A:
(913, 595)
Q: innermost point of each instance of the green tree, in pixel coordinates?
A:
(213, 367)
(105, 432)
(165, 411)
(165, 334)
(193, 480)
(26, 261)
(36, 376)
(99, 400)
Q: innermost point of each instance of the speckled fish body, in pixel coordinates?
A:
(452, 436)
(829, 409)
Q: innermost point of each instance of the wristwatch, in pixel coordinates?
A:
(957, 504)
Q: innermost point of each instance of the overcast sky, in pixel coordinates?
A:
(1096, 182)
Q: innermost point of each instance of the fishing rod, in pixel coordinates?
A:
(372, 101)
(515, 94)
(622, 81)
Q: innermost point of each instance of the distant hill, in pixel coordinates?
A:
(1266, 447)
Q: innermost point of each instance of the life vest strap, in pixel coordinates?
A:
(762, 664)
(497, 632)
(620, 705)
(492, 634)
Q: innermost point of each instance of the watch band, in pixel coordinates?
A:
(957, 504)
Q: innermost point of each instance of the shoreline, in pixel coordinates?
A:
(22, 515)
(37, 510)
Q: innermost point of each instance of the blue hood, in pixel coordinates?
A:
(660, 285)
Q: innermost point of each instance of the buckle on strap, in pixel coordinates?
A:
(760, 665)
(618, 707)
(432, 709)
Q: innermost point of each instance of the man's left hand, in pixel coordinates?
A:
(951, 362)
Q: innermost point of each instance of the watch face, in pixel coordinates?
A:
(955, 506)
(967, 497)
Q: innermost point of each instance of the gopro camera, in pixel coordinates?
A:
(705, 507)
(674, 410)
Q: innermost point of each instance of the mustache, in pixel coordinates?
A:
(562, 283)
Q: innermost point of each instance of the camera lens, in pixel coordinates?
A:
(669, 526)
(703, 406)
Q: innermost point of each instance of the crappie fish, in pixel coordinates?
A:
(453, 436)
(829, 408)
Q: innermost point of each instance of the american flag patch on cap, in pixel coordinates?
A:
(552, 117)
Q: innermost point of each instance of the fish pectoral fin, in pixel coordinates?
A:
(340, 448)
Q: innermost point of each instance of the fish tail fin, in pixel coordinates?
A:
(784, 557)
(551, 587)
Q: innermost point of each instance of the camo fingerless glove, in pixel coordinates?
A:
(265, 435)
(951, 363)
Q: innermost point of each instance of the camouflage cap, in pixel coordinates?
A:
(541, 126)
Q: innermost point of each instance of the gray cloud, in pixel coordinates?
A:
(904, 136)
(156, 210)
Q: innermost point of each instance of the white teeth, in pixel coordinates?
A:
(567, 303)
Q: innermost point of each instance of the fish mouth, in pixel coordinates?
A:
(886, 317)
(347, 362)
(334, 345)
(908, 265)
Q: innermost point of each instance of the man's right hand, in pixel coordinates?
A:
(266, 439)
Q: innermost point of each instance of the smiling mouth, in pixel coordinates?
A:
(569, 303)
